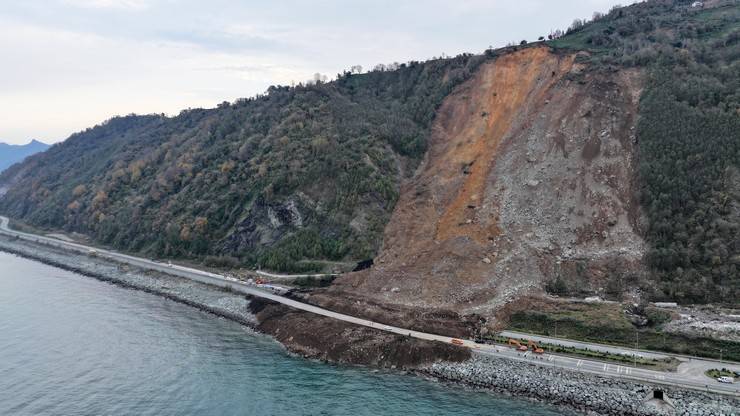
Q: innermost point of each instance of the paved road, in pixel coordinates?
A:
(630, 352)
(290, 276)
(688, 380)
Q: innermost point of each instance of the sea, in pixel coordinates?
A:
(73, 345)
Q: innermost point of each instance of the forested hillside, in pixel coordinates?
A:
(310, 172)
(689, 136)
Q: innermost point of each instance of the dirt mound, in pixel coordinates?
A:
(529, 176)
(335, 341)
(430, 320)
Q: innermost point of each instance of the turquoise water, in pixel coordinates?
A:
(71, 345)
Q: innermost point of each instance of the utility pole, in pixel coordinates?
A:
(637, 344)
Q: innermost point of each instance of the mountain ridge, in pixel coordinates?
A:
(594, 154)
(11, 154)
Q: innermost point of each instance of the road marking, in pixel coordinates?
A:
(579, 363)
(606, 367)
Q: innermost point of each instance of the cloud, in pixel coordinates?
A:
(222, 40)
(109, 4)
(56, 82)
(69, 64)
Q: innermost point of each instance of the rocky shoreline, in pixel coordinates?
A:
(585, 392)
(349, 344)
(207, 298)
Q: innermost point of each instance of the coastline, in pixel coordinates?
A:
(584, 392)
(348, 344)
(301, 333)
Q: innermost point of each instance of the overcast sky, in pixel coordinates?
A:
(70, 64)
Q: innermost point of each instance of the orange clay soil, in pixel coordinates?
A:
(510, 192)
(512, 80)
(439, 231)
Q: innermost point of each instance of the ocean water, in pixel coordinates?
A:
(72, 345)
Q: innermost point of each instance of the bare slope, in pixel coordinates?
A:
(529, 176)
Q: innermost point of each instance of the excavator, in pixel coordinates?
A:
(530, 345)
(518, 345)
(535, 348)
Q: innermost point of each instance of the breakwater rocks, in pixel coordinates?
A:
(334, 341)
(211, 299)
(581, 391)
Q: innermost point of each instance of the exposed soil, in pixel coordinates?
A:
(529, 176)
(434, 321)
(707, 321)
(335, 341)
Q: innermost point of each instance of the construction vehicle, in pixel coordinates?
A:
(518, 345)
(535, 348)
(457, 341)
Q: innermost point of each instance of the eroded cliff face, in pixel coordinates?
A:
(529, 176)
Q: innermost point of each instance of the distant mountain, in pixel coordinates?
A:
(11, 154)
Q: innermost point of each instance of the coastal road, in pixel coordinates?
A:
(686, 379)
(630, 352)
(291, 276)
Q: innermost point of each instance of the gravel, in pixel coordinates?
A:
(208, 298)
(580, 391)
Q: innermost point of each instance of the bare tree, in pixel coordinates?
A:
(318, 78)
(576, 25)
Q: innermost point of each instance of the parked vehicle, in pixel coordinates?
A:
(726, 380)
(457, 341)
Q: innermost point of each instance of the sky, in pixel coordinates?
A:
(66, 65)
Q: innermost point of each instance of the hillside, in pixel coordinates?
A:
(605, 161)
(12, 154)
(305, 173)
(606, 166)
(529, 175)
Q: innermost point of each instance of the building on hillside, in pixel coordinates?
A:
(697, 4)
